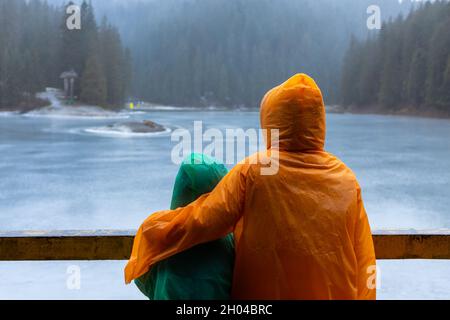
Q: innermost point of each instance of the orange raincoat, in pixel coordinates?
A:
(301, 233)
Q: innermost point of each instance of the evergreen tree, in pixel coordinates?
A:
(408, 61)
(437, 62)
(445, 89)
(32, 58)
(116, 64)
(100, 59)
(72, 52)
(93, 83)
(415, 83)
(350, 75)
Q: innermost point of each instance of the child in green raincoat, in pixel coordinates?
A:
(203, 272)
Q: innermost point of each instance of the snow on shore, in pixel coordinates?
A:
(58, 109)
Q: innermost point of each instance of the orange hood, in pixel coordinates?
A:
(297, 110)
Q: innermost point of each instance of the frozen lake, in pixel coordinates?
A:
(72, 173)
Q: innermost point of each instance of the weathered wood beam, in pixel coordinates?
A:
(412, 244)
(66, 245)
(116, 245)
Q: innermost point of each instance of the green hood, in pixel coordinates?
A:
(203, 272)
(198, 174)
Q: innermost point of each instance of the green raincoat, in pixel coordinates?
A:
(205, 271)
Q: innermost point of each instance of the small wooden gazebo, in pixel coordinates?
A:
(69, 83)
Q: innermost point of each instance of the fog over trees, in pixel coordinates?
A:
(406, 65)
(229, 52)
(185, 52)
(36, 47)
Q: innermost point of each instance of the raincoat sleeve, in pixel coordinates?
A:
(365, 253)
(167, 233)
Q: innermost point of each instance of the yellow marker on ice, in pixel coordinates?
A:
(131, 105)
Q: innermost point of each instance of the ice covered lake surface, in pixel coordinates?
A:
(66, 172)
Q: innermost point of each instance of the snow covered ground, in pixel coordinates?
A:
(400, 279)
(58, 109)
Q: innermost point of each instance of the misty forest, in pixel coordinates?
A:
(227, 53)
(406, 67)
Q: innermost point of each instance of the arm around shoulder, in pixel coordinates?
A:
(210, 217)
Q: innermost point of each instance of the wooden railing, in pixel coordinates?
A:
(116, 245)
